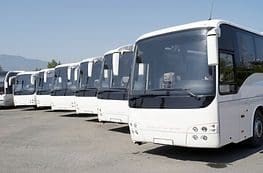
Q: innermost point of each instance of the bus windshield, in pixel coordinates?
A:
(87, 81)
(44, 82)
(63, 80)
(174, 63)
(73, 81)
(120, 80)
(60, 78)
(24, 85)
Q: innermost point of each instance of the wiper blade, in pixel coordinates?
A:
(186, 90)
(147, 95)
(86, 89)
(111, 91)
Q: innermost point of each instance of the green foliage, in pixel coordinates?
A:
(53, 63)
(37, 69)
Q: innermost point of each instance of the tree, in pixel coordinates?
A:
(37, 69)
(53, 63)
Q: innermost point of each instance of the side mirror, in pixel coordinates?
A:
(69, 73)
(106, 73)
(6, 84)
(32, 79)
(90, 65)
(10, 81)
(45, 77)
(59, 79)
(76, 74)
(115, 63)
(141, 69)
(212, 46)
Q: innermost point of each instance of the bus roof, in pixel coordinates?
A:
(215, 23)
(15, 71)
(47, 69)
(27, 72)
(126, 48)
(67, 65)
(91, 59)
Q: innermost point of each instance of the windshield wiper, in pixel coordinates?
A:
(186, 90)
(104, 91)
(86, 89)
(147, 95)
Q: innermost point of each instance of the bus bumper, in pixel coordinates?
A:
(113, 111)
(198, 140)
(86, 105)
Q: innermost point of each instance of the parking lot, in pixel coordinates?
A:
(45, 141)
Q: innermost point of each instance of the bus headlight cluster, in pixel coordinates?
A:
(209, 128)
(201, 132)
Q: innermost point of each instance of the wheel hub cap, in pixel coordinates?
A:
(258, 128)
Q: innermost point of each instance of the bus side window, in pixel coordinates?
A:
(226, 74)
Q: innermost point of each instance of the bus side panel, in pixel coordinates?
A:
(229, 121)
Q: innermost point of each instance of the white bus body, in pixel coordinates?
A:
(65, 85)
(198, 85)
(44, 86)
(2, 87)
(112, 94)
(6, 94)
(89, 74)
(25, 89)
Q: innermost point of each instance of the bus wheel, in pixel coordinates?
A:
(257, 138)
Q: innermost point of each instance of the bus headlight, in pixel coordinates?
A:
(195, 137)
(204, 137)
(204, 128)
(195, 129)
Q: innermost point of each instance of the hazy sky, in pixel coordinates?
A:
(71, 30)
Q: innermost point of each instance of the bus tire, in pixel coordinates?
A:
(257, 139)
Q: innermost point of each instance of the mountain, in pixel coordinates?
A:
(12, 62)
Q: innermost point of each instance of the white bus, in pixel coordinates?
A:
(89, 75)
(7, 81)
(25, 89)
(112, 93)
(44, 86)
(198, 85)
(64, 87)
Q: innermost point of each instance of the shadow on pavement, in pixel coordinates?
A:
(59, 111)
(29, 109)
(95, 120)
(43, 108)
(215, 158)
(74, 115)
(124, 129)
(8, 107)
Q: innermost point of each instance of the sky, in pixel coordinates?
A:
(72, 30)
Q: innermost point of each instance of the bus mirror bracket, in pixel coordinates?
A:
(212, 46)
